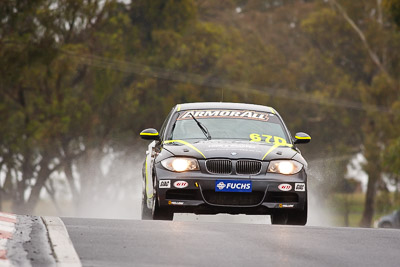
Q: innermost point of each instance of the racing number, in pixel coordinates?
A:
(277, 140)
(255, 137)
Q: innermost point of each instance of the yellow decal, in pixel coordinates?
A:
(270, 150)
(255, 137)
(267, 139)
(300, 137)
(153, 134)
(185, 143)
(179, 108)
(147, 182)
(277, 141)
(280, 141)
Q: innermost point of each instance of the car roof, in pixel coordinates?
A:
(224, 105)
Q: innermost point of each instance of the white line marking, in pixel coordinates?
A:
(8, 224)
(5, 263)
(3, 243)
(5, 228)
(10, 216)
(61, 243)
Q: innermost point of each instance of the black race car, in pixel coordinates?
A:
(230, 158)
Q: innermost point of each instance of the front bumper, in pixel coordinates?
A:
(199, 195)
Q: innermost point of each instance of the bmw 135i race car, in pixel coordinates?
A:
(211, 158)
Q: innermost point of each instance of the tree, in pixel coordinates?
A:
(393, 8)
(55, 109)
(381, 88)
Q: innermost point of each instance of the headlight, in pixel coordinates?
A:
(180, 164)
(284, 166)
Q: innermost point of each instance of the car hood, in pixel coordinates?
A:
(229, 149)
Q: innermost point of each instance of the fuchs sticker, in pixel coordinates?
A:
(165, 184)
(221, 185)
(299, 187)
(233, 186)
(285, 187)
(181, 184)
(221, 113)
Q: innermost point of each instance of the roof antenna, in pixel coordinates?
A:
(222, 94)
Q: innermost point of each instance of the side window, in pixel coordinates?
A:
(164, 125)
(171, 126)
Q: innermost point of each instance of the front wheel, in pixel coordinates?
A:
(280, 217)
(290, 217)
(161, 213)
(146, 212)
(156, 213)
(298, 217)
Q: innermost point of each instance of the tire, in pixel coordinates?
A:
(290, 217)
(156, 213)
(386, 225)
(298, 217)
(146, 212)
(280, 217)
(161, 214)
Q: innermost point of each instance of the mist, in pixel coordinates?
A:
(114, 184)
(120, 193)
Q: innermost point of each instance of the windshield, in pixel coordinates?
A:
(230, 124)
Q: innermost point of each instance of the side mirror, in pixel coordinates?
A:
(302, 138)
(150, 134)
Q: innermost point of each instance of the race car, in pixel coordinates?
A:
(234, 158)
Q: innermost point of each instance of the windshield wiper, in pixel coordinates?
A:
(202, 127)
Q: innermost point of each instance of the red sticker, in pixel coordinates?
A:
(181, 184)
(285, 187)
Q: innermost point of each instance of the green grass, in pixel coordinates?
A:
(354, 203)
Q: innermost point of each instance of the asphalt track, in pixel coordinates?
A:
(101, 242)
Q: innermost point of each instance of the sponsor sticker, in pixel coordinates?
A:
(175, 202)
(221, 185)
(233, 186)
(299, 187)
(181, 184)
(286, 205)
(285, 187)
(221, 113)
(165, 184)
